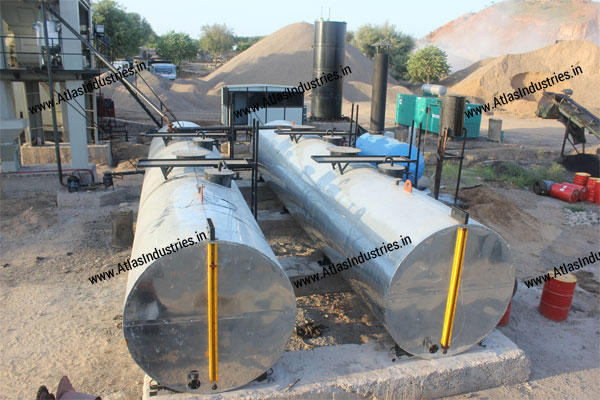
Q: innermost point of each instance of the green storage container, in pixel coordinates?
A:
(433, 119)
(410, 106)
(405, 109)
(472, 123)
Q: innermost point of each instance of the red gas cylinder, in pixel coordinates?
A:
(564, 192)
(583, 192)
(557, 297)
(581, 178)
(506, 317)
(597, 191)
(591, 187)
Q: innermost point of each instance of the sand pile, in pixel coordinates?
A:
(282, 58)
(492, 77)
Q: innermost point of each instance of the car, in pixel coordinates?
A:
(169, 71)
(121, 64)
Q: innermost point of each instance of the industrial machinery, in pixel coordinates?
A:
(572, 115)
(171, 299)
(449, 281)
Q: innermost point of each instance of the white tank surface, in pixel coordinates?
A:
(403, 242)
(165, 315)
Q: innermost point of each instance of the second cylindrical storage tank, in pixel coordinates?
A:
(361, 213)
(165, 316)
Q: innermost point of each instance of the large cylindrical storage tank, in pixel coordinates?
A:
(329, 54)
(362, 210)
(165, 314)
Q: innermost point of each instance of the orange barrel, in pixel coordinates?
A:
(597, 191)
(581, 178)
(591, 186)
(583, 192)
(506, 317)
(557, 297)
(564, 192)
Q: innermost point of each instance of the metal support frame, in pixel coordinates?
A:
(442, 155)
(135, 92)
(167, 165)
(51, 92)
(342, 162)
(254, 198)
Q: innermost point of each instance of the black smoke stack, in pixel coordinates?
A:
(329, 55)
(452, 114)
(379, 91)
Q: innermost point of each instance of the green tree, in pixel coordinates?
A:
(402, 45)
(428, 64)
(244, 42)
(216, 39)
(127, 31)
(349, 36)
(176, 46)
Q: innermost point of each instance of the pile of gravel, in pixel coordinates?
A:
(575, 218)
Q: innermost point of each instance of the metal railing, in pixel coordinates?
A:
(22, 52)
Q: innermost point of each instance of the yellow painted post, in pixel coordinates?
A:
(213, 360)
(457, 264)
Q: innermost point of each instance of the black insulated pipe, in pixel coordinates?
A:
(378, 94)
(329, 55)
(452, 114)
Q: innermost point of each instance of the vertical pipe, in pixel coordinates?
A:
(380, 72)
(462, 156)
(440, 162)
(231, 127)
(51, 93)
(353, 143)
(351, 120)
(213, 371)
(457, 264)
(418, 158)
(412, 132)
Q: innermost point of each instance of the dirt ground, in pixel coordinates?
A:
(54, 322)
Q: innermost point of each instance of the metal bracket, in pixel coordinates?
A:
(166, 171)
(167, 165)
(343, 161)
(460, 215)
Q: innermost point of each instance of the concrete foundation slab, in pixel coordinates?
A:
(373, 371)
(98, 154)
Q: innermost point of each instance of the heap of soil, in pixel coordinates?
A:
(501, 214)
(492, 77)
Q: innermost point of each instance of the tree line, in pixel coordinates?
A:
(128, 31)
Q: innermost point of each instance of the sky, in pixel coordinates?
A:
(261, 18)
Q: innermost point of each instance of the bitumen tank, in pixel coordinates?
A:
(166, 313)
(396, 247)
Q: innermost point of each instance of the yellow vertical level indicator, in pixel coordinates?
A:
(457, 264)
(213, 361)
